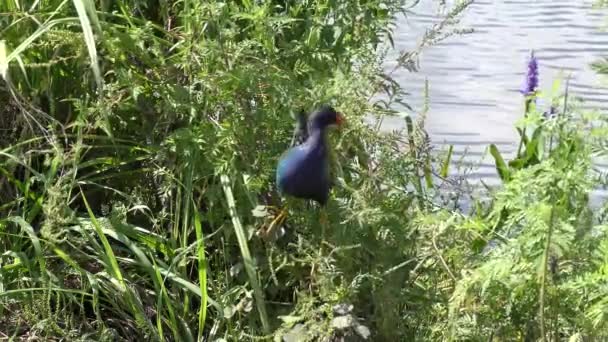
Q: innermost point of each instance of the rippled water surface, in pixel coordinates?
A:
(474, 78)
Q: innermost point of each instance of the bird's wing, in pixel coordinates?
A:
(288, 162)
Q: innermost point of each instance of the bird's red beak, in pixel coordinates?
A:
(340, 119)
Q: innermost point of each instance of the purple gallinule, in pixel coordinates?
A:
(303, 170)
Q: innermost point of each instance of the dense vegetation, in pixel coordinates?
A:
(137, 155)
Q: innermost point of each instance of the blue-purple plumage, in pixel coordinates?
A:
(303, 170)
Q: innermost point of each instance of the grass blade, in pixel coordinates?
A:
(3, 59)
(247, 260)
(501, 166)
(109, 253)
(163, 297)
(89, 40)
(446, 163)
(35, 242)
(114, 269)
(39, 32)
(202, 274)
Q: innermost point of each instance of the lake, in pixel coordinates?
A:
(474, 78)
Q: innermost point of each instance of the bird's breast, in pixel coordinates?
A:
(303, 172)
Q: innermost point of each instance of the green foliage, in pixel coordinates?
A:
(140, 140)
(141, 135)
(535, 277)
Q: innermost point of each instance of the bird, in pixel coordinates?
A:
(303, 170)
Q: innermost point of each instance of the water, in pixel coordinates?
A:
(474, 79)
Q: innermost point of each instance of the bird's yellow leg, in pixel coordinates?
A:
(275, 223)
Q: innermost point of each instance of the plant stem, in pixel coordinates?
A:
(440, 257)
(523, 132)
(246, 254)
(417, 182)
(543, 275)
(563, 113)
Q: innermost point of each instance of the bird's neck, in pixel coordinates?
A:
(317, 139)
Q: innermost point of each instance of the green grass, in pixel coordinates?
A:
(139, 141)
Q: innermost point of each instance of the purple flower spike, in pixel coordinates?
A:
(529, 87)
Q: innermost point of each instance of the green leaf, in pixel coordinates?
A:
(446, 163)
(3, 59)
(501, 166)
(81, 7)
(534, 147)
(245, 253)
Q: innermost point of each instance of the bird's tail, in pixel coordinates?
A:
(300, 133)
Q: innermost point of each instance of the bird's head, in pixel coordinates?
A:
(325, 117)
